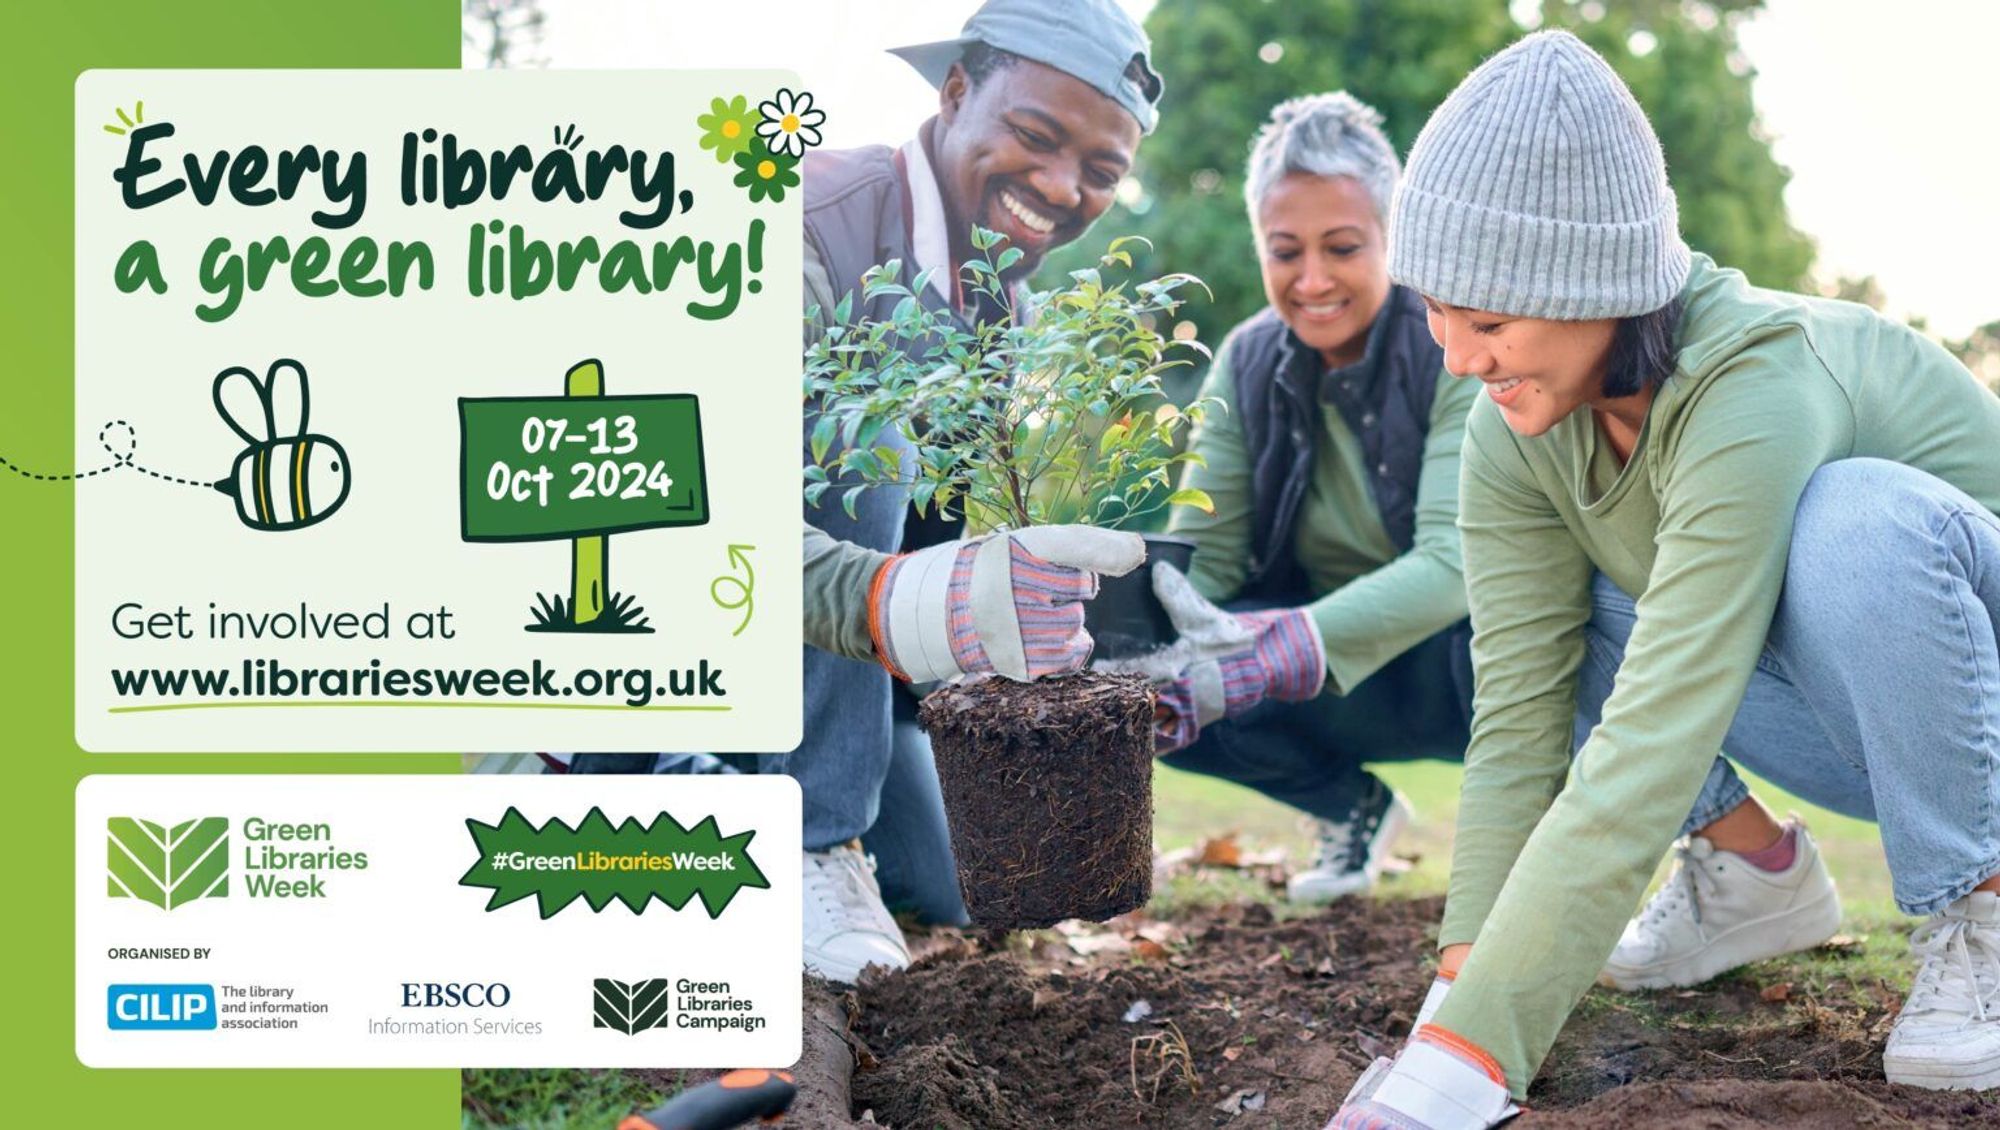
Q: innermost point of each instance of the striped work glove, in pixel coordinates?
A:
(1440, 1081)
(1008, 603)
(1223, 663)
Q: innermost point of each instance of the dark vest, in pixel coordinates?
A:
(1388, 408)
(857, 218)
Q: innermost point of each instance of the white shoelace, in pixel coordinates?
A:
(1961, 963)
(841, 892)
(1687, 884)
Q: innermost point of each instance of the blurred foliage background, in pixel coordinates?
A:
(1227, 63)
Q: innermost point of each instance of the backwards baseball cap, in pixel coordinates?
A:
(1094, 41)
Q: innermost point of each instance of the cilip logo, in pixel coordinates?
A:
(167, 866)
(160, 1008)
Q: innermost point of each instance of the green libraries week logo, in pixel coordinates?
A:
(173, 866)
(598, 862)
(167, 867)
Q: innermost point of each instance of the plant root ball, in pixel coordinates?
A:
(1049, 791)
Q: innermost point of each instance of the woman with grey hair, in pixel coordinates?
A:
(1334, 474)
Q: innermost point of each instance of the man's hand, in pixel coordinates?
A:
(1224, 663)
(1009, 603)
(1440, 1081)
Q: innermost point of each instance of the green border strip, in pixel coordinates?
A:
(47, 46)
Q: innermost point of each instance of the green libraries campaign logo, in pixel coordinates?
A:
(167, 867)
(630, 1007)
(598, 862)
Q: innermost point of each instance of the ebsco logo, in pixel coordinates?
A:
(431, 994)
(167, 866)
(160, 1008)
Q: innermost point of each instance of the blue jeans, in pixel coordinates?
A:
(1878, 692)
(1310, 754)
(863, 767)
(910, 839)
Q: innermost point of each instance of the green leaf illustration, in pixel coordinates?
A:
(630, 1007)
(167, 866)
(633, 863)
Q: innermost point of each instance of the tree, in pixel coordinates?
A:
(1980, 351)
(1227, 63)
(502, 33)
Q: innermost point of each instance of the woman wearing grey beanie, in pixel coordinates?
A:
(1698, 517)
(1334, 476)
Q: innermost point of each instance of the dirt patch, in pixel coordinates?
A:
(1049, 788)
(1244, 1021)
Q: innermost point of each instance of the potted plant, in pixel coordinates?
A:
(1057, 416)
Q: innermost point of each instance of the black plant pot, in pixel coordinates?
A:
(1126, 619)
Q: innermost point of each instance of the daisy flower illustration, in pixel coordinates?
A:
(790, 124)
(728, 128)
(766, 174)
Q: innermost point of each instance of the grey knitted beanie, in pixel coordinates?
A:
(1539, 190)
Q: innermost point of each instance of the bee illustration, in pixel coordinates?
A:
(287, 478)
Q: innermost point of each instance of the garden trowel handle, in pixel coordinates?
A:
(729, 1101)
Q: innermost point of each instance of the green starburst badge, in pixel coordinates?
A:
(598, 862)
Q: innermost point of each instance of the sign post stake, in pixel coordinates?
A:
(589, 557)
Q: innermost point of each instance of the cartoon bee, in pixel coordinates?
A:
(287, 478)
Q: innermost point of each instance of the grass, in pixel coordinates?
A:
(1189, 808)
(563, 1099)
(555, 612)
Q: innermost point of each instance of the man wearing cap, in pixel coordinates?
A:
(1041, 105)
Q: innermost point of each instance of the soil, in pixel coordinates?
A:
(1238, 1019)
(1049, 789)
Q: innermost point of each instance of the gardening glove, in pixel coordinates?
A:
(1440, 1081)
(1433, 1000)
(1223, 663)
(1008, 603)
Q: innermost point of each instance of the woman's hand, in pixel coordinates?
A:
(1224, 663)
(1438, 1082)
(1451, 958)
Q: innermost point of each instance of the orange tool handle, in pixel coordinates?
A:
(729, 1101)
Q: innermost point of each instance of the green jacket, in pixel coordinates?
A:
(1550, 860)
(1372, 602)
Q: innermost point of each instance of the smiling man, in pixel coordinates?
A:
(1041, 105)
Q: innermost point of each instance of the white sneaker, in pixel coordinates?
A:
(1350, 853)
(1718, 911)
(847, 928)
(1948, 1035)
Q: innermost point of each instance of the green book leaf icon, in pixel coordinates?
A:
(167, 866)
(630, 1007)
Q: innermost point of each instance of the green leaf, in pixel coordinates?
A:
(630, 1006)
(822, 435)
(730, 868)
(1008, 258)
(1189, 496)
(167, 867)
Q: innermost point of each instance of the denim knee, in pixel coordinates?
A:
(1859, 522)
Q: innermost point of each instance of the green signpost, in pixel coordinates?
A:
(581, 467)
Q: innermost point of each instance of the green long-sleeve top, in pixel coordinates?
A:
(1373, 602)
(1550, 859)
(837, 574)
